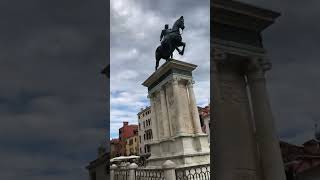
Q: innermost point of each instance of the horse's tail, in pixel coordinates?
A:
(157, 54)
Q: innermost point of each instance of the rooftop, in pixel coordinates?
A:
(142, 110)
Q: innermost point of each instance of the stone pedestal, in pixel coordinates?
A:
(176, 126)
(244, 136)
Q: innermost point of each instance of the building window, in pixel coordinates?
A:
(144, 137)
(144, 124)
(140, 138)
(139, 127)
(149, 134)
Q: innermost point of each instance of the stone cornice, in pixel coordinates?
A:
(221, 47)
(171, 69)
(242, 15)
(172, 64)
(173, 78)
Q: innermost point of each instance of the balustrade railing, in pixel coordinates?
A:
(149, 174)
(200, 172)
(133, 172)
(121, 174)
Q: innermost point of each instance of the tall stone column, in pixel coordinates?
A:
(164, 111)
(194, 109)
(169, 115)
(268, 142)
(178, 123)
(155, 136)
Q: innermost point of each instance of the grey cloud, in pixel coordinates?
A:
(53, 98)
(169, 9)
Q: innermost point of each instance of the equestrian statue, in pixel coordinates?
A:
(171, 40)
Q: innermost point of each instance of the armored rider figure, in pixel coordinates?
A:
(164, 32)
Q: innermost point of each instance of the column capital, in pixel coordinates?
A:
(219, 55)
(150, 95)
(190, 83)
(175, 80)
(258, 64)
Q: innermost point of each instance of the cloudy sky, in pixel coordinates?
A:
(54, 101)
(53, 105)
(135, 32)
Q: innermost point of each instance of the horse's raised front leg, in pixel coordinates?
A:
(183, 47)
(179, 51)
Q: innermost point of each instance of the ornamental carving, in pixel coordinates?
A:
(219, 55)
(190, 83)
(258, 64)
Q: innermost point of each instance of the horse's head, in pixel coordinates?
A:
(178, 24)
(181, 22)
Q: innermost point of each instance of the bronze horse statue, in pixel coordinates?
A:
(171, 42)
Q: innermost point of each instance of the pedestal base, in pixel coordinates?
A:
(183, 150)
